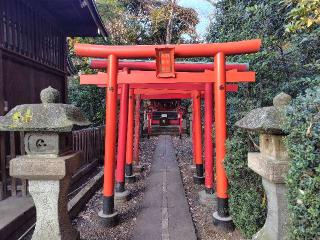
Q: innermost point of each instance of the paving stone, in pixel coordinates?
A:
(165, 212)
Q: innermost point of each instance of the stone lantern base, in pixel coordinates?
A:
(49, 180)
(50, 199)
(275, 226)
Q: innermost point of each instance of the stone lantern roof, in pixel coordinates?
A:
(49, 116)
(266, 119)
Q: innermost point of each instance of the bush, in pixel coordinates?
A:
(90, 99)
(247, 199)
(303, 142)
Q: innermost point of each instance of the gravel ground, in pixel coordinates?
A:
(90, 228)
(201, 215)
(88, 223)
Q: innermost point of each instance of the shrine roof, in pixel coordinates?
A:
(75, 17)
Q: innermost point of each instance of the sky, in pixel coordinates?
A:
(204, 10)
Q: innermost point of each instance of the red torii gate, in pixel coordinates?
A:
(165, 73)
(165, 91)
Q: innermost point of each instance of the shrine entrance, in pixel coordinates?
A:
(159, 79)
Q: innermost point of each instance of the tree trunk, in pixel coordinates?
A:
(170, 22)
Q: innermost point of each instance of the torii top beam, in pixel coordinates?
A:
(182, 50)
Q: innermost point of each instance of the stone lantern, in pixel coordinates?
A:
(272, 163)
(50, 162)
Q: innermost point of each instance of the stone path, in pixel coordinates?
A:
(165, 213)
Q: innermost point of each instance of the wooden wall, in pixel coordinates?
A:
(32, 57)
(23, 80)
(33, 53)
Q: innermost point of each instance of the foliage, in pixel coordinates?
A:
(146, 22)
(89, 99)
(128, 22)
(304, 16)
(238, 20)
(288, 61)
(303, 142)
(247, 217)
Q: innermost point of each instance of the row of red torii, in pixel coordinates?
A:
(166, 79)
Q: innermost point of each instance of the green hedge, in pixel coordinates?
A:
(303, 180)
(247, 199)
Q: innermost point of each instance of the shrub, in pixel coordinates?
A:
(303, 142)
(90, 99)
(246, 195)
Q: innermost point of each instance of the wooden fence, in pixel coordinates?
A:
(89, 141)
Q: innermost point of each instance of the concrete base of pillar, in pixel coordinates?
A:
(207, 199)
(109, 220)
(276, 225)
(224, 223)
(121, 197)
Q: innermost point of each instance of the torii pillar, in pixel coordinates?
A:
(108, 213)
(137, 130)
(198, 178)
(221, 217)
(130, 177)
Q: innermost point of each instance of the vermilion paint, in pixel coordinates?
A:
(220, 114)
(110, 136)
(208, 121)
(197, 127)
(137, 129)
(122, 134)
(149, 77)
(182, 50)
(179, 67)
(130, 129)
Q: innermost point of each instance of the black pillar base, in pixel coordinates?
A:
(131, 179)
(199, 178)
(224, 223)
(209, 190)
(109, 217)
(120, 187)
(221, 217)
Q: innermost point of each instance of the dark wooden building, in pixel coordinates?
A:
(33, 45)
(33, 49)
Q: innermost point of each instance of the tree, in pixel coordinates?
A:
(285, 63)
(304, 15)
(130, 22)
(170, 22)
